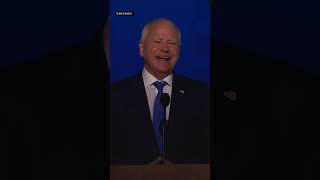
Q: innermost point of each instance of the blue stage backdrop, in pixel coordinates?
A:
(191, 16)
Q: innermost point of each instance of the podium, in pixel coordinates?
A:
(161, 172)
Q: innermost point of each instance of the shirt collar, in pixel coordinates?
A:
(149, 79)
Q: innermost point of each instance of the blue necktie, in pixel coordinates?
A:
(158, 114)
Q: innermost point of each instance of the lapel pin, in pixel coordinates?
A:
(182, 91)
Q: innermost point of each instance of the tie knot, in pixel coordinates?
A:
(159, 85)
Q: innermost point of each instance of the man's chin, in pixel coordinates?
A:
(161, 72)
(164, 70)
(164, 73)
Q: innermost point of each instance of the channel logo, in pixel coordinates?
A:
(124, 13)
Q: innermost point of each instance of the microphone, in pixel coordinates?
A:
(165, 101)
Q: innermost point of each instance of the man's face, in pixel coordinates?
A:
(160, 49)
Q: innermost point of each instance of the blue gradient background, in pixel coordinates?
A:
(285, 29)
(191, 16)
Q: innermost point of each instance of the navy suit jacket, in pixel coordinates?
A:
(132, 135)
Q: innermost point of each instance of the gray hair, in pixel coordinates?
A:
(148, 25)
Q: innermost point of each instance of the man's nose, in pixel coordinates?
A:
(164, 47)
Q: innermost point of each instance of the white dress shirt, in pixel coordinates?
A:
(151, 90)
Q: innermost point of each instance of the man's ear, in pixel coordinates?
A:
(141, 48)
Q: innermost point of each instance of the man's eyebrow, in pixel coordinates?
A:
(157, 38)
(170, 39)
(175, 40)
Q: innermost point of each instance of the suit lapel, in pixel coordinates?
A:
(145, 124)
(178, 102)
(143, 96)
(140, 103)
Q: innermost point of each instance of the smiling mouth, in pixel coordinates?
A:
(163, 58)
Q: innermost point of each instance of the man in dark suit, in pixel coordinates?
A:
(264, 117)
(135, 135)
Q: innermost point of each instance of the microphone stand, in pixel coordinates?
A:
(165, 100)
(164, 134)
(163, 157)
